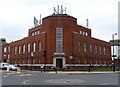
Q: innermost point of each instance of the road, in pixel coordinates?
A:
(38, 78)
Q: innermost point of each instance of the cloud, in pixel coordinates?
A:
(17, 15)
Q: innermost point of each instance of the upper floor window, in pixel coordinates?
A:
(28, 48)
(23, 48)
(39, 46)
(83, 32)
(90, 48)
(59, 40)
(104, 61)
(80, 32)
(86, 33)
(33, 33)
(15, 50)
(19, 48)
(38, 32)
(34, 46)
(9, 49)
(95, 49)
(5, 50)
(85, 47)
(104, 50)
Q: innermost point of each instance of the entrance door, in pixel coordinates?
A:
(59, 63)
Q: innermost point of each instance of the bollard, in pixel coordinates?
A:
(7, 70)
(18, 71)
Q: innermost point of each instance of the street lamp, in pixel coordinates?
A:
(31, 60)
(71, 58)
(44, 54)
(113, 52)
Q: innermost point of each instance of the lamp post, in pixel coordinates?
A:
(44, 54)
(71, 58)
(31, 60)
(118, 55)
(113, 52)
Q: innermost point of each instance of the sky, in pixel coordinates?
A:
(16, 16)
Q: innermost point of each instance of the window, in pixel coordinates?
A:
(23, 61)
(79, 46)
(96, 61)
(8, 50)
(23, 48)
(39, 46)
(90, 48)
(38, 32)
(18, 61)
(83, 33)
(33, 61)
(79, 61)
(104, 50)
(8, 56)
(33, 33)
(80, 32)
(19, 49)
(85, 47)
(28, 48)
(86, 33)
(104, 61)
(28, 60)
(5, 49)
(15, 50)
(85, 62)
(101, 62)
(95, 49)
(59, 40)
(34, 46)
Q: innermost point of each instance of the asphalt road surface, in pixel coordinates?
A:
(38, 78)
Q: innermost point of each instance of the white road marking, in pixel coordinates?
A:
(24, 75)
(26, 82)
(5, 76)
(104, 84)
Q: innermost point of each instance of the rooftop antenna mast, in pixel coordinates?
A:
(65, 10)
(87, 25)
(59, 10)
(40, 21)
(35, 22)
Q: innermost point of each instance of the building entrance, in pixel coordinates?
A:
(59, 63)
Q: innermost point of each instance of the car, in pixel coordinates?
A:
(4, 65)
(13, 67)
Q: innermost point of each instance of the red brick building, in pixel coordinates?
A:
(59, 42)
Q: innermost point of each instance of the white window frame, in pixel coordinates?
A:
(85, 47)
(34, 46)
(39, 46)
(28, 47)
(23, 48)
(59, 40)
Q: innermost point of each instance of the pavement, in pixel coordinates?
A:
(60, 72)
(82, 72)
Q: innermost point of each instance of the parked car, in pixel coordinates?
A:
(13, 67)
(4, 66)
